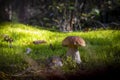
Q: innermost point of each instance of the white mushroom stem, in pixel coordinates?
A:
(74, 53)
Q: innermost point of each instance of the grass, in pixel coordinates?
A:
(103, 46)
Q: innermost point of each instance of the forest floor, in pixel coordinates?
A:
(100, 57)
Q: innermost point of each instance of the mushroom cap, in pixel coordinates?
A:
(73, 42)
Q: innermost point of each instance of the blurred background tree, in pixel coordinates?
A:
(65, 15)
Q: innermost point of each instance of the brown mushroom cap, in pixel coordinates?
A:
(73, 42)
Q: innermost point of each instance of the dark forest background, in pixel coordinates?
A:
(65, 15)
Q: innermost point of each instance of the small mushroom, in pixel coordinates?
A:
(73, 42)
(39, 42)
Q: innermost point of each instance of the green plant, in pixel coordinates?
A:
(69, 65)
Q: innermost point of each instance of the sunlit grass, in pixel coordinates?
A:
(103, 46)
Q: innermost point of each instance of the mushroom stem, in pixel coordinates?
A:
(74, 53)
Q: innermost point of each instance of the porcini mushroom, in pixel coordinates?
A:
(73, 42)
